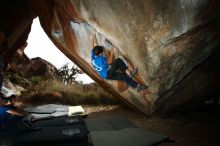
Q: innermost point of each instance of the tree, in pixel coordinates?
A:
(68, 75)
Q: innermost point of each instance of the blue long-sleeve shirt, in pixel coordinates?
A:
(6, 119)
(100, 64)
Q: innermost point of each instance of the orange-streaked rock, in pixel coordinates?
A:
(166, 41)
(160, 39)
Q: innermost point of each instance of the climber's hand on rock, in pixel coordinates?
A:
(112, 50)
(93, 39)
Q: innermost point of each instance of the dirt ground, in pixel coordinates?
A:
(198, 127)
(195, 128)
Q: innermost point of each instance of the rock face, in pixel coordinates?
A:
(16, 19)
(28, 68)
(174, 44)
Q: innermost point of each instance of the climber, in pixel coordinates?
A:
(109, 69)
(11, 117)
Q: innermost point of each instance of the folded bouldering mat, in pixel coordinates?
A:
(126, 137)
(55, 110)
(108, 123)
(49, 107)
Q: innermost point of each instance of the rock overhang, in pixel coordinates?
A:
(166, 41)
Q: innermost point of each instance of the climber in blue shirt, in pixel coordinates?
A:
(109, 70)
(99, 62)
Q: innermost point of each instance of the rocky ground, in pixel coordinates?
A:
(195, 128)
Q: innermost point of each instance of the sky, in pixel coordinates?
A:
(39, 45)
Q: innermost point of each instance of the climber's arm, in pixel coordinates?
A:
(111, 56)
(93, 40)
(17, 112)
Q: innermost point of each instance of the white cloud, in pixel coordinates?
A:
(39, 45)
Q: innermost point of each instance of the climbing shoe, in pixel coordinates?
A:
(133, 73)
(141, 87)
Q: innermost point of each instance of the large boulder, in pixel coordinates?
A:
(165, 40)
(28, 68)
(174, 44)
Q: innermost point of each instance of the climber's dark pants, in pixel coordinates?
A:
(113, 74)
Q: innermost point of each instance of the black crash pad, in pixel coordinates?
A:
(71, 133)
(62, 129)
(126, 137)
(59, 121)
(108, 123)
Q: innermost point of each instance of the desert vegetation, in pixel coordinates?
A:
(64, 90)
(69, 94)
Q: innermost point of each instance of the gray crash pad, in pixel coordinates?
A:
(126, 137)
(39, 111)
(55, 110)
(108, 123)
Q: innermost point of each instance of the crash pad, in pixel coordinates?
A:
(76, 132)
(72, 133)
(108, 123)
(55, 110)
(126, 137)
(59, 121)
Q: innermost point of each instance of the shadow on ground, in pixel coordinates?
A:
(198, 127)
